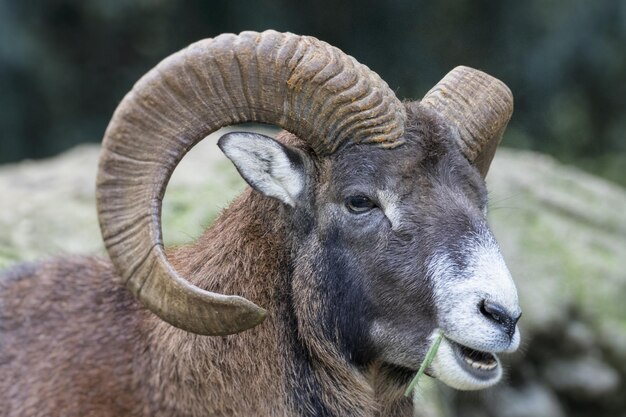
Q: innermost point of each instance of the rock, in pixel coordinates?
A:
(587, 376)
(48, 207)
(532, 400)
(580, 336)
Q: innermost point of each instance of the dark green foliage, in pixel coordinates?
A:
(65, 64)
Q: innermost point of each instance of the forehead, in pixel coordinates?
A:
(428, 145)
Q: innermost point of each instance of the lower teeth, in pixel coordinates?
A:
(481, 366)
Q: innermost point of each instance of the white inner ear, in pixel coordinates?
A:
(263, 163)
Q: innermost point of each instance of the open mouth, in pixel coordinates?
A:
(481, 365)
(465, 368)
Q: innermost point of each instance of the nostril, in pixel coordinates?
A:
(497, 313)
(493, 311)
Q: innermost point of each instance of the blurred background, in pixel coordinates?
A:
(558, 202)
(64, 64)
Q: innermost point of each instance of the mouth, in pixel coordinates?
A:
(465, 368)
(481, 365)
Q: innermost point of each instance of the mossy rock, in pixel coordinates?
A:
(48, 207)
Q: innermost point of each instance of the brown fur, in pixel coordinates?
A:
(114, 358)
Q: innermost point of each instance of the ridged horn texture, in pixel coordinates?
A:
(298, 83)
(479, 106)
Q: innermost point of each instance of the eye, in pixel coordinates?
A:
(359, 204)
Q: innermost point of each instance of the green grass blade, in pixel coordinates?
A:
(430, 356)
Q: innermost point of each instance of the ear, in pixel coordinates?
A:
(270, 167)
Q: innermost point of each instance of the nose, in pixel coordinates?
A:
(498, 314)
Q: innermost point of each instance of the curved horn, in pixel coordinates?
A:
(298, 83)
(479, 106)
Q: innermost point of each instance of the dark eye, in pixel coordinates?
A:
(359, 204)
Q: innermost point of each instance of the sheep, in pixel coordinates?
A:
(361, 237)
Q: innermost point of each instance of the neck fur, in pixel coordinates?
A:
(283, 367)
